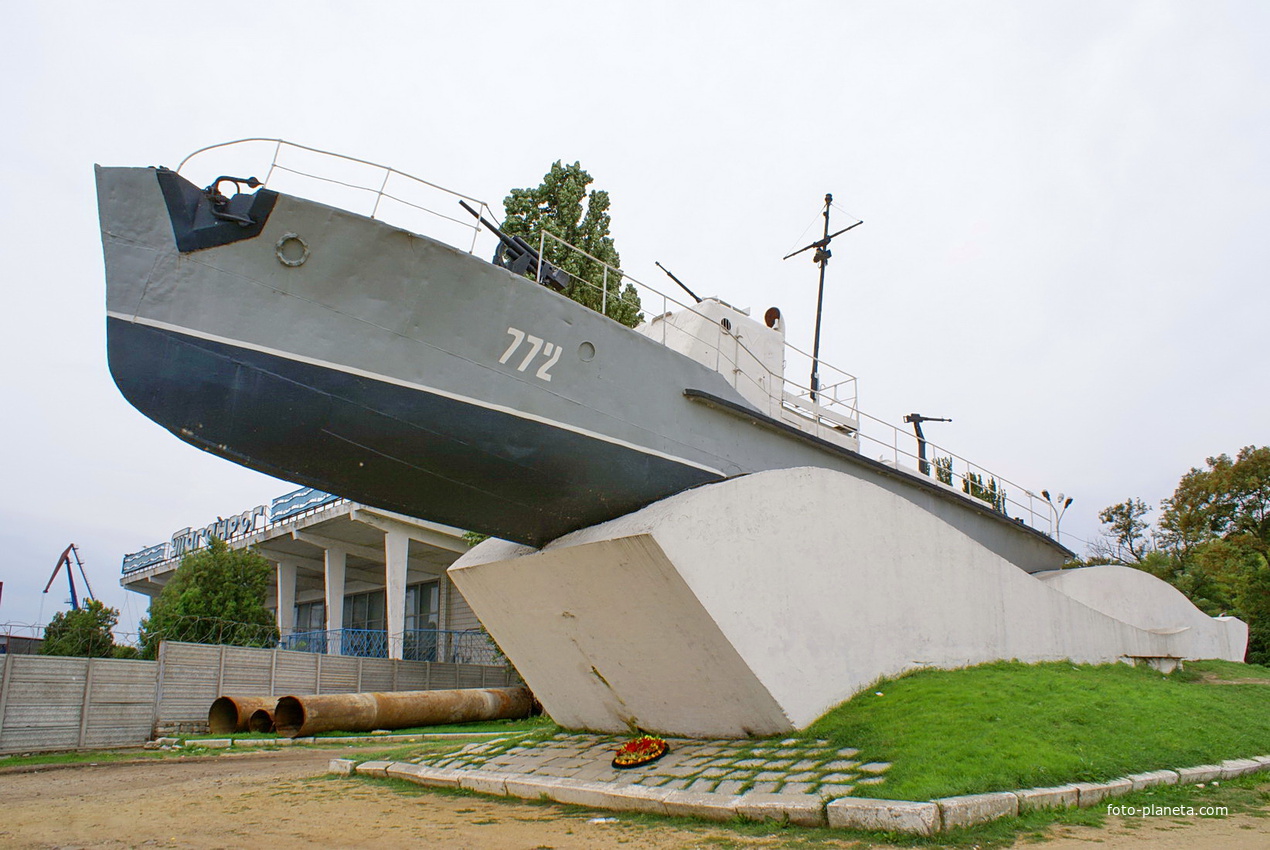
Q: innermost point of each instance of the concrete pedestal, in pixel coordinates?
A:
(752, 606)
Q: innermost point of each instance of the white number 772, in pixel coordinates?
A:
(549, 350)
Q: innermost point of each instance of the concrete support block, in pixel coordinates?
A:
(884, 815)
(800, 809)
(486, 781)
(437, 777)
(344, 767)
(404, 770)
(1058, 797)
(215, 743)
(695, 804)
(373, 768)
(637, 798)
(1198, 774)
(168, 742)
(1264, 761)
(1238, 767)
(1092, 793)
(527, 787)
(1155, 777)
(581, 792)
(971, 809)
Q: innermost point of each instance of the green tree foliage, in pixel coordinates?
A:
(216, 596)
(1126, 541)
(1214, 540)
(84, 633)
(992, 493)
(943, 470)
(562, 206)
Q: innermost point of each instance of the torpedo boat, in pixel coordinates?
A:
(337, 350)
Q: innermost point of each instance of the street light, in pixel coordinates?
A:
(1058, 507)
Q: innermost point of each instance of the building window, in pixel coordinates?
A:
(422, 606)
(310, 617)
(365, 611)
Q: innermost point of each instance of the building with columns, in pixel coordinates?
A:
(349, 579)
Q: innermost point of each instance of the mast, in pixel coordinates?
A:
(821, 258)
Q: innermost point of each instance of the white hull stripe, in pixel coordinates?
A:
(519, 414)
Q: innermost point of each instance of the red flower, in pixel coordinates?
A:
(640, 751)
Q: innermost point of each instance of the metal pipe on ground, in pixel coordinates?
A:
(301, 716)
(261, 720)
(233, 714)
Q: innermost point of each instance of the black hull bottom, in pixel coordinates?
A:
(393, 447)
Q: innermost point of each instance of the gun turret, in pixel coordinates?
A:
(515, 255)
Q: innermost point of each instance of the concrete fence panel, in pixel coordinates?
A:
(51, 703)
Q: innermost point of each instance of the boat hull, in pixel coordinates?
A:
(400, 372)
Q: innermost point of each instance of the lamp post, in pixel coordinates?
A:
(1058, 507)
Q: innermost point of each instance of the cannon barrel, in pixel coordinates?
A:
(301, 716)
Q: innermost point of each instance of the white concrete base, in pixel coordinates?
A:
(752, 606)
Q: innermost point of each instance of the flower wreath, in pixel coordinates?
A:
(645, 749)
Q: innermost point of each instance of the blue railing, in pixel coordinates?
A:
(462, 647)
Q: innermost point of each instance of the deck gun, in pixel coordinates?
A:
(518, 257)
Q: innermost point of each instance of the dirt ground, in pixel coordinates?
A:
(284, 799)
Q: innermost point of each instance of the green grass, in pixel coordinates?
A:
(1009, 725)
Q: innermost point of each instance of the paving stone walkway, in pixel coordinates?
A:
(790, 766)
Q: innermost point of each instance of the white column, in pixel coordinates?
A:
(396, 553)
(335, 561)
(286, 597)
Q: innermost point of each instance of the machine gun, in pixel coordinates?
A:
(916, 419)
(518, 257)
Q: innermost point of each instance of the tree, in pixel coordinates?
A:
(943, 470)
(1126, 541)
(1213, 540)
(561, 206)
(216, 596)
(992, 493)
(84, 633)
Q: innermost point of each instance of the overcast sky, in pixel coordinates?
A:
(1065, 210)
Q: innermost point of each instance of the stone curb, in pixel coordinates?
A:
(862, 813)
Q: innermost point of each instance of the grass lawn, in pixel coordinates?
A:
(1008, 725)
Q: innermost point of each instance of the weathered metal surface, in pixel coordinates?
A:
(299, 716)
(233, 714)
(261, 720)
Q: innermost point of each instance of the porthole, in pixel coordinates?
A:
(586, 352)
(727, 325)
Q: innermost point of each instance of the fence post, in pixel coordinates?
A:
(273, 672)
(158, 689)
(361, 662)
(88, 698)
(317, 674)
(427, 676)
(220, 673)
(4, 687)
(395, 664)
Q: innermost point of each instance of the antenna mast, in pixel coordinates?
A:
(821, 257)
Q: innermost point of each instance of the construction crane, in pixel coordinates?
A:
(70, 575)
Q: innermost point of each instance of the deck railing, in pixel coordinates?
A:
(459, 647)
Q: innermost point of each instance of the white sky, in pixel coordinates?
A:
(1064, 209)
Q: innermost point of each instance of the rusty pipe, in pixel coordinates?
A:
(301, 716)
(261, 720)
(233, 714)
